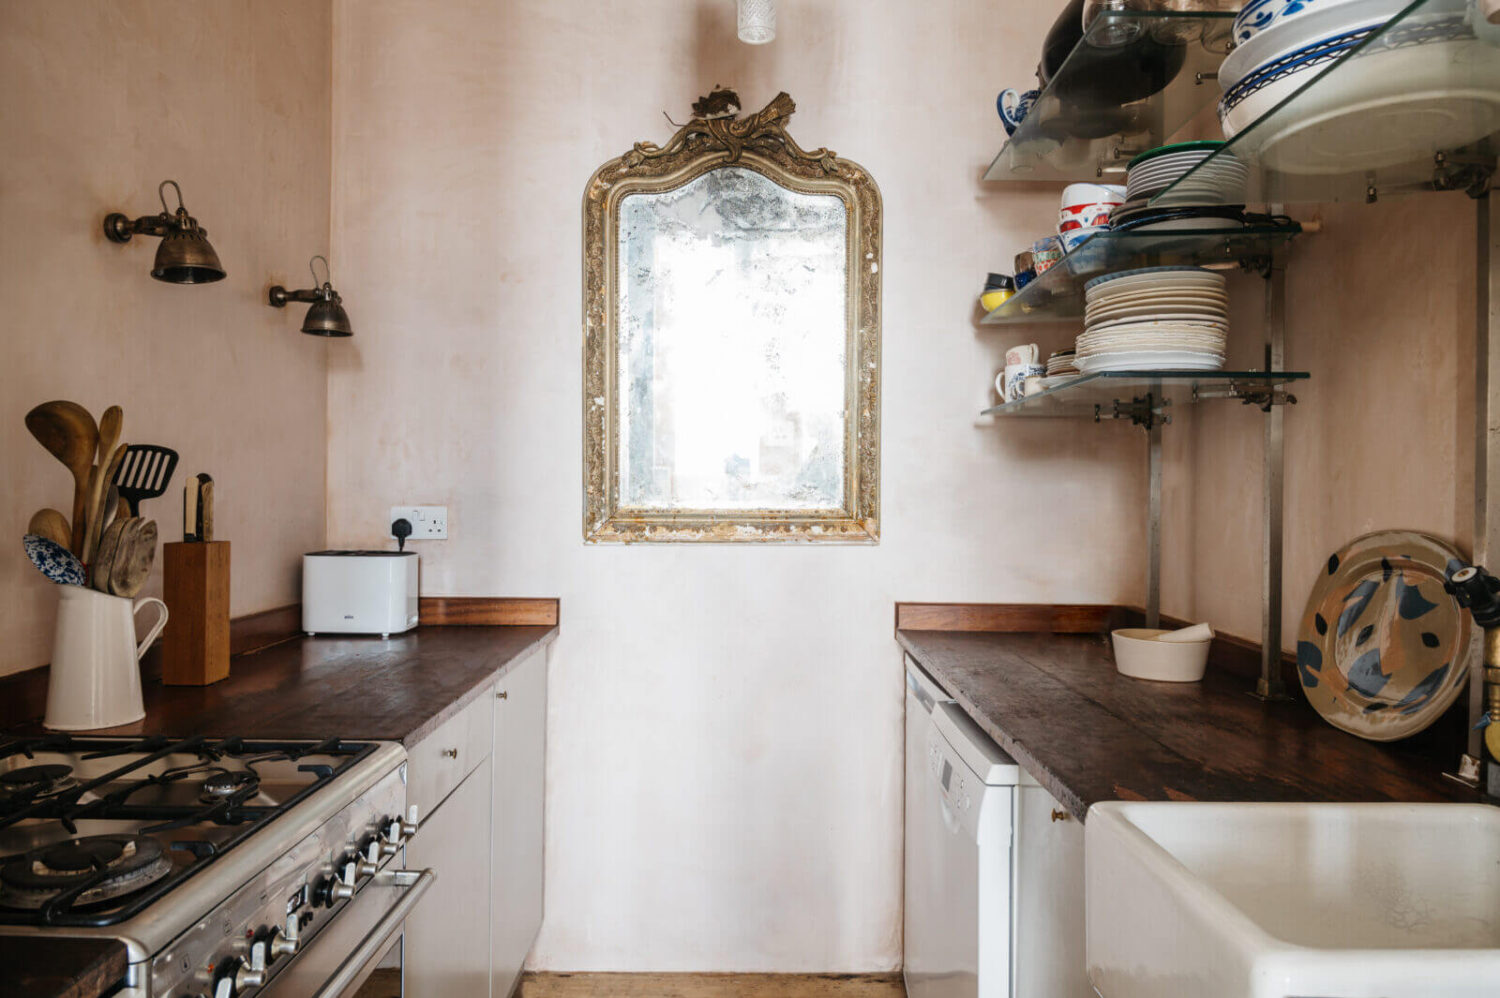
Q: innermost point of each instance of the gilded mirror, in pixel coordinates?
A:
(731, 337)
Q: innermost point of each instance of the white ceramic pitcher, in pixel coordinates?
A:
(96, 674)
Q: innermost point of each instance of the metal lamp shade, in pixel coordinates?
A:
(327, 318)
(185, 257)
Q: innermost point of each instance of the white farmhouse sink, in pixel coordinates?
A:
(1277, 900)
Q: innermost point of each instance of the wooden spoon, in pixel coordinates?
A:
(99, 481)
(70, 434)
(102, 569)
(51, 524)
(133, 561)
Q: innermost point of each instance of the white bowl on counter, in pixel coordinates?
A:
(1140, 656)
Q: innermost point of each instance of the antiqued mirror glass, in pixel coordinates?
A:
(731, 339)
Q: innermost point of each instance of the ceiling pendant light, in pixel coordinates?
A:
(757, 21)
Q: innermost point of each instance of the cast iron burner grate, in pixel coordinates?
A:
(97, 880)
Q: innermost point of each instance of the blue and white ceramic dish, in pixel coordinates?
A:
(54, 561)
(1383, 649)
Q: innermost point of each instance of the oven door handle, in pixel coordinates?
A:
(370, 947)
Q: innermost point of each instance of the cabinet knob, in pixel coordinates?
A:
(1060, 815)
(502, 695)
(450, 753)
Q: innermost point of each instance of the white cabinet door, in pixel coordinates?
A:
(520, 769)
(1049, 920)
(446, 950)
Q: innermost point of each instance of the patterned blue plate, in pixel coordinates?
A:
(1384, 649)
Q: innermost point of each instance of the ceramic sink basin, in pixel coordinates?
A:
(1277, 900)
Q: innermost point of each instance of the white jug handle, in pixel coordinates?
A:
(161, 622)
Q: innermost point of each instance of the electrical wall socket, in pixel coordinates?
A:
(428, 523)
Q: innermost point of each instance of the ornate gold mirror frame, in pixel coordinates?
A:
(717, 138)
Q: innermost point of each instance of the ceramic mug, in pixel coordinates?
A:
(1013, 105)
(95, 679)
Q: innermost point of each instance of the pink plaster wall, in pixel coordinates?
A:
(724, 777)
(99, 102)
(1380, 310)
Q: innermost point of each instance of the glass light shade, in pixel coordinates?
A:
(757, 21)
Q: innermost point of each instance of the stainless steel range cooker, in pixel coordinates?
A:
(227, 867)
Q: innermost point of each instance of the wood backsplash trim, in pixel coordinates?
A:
(1056, 618)
(490, 611)
(255, 631)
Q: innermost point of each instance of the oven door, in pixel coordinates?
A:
(339, 959)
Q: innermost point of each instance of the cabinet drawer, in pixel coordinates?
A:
(439, 762)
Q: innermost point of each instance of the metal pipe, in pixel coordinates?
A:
(1153, 524)
(1486, 426)
(1269, 685)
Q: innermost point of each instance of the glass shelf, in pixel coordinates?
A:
(1094, 396)
(1110, 101)
(1413, 106)
(1057, 294)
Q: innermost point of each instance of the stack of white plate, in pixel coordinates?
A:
(1429, 82)
(1154, 319)
(1153, 171)
(1061, 366)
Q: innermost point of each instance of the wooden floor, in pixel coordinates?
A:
(387, 984)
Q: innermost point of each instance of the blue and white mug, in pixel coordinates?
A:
(1013, 105)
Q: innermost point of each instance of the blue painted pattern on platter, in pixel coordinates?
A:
(1383, 649)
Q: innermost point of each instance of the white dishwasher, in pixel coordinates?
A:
(960, 805)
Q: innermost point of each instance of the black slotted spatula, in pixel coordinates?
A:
(145, 473)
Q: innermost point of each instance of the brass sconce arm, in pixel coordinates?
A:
(119, 227)
(280, 296)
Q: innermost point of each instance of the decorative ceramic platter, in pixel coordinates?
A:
(1384, 649)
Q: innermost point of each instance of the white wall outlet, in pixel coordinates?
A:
(428, 523)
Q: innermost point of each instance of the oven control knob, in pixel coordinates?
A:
(225, 985)
(369, 861)
(284, 942)
(409, 826)
(343, 887)
(391, 840)
(253, 973)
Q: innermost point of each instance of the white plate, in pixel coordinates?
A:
(1314, 24)
(1109, 293)
(1159, 334)
(1195, 278)
(1197, 298)
(1146, 361)
(1383, 108)
(1173, 319)
(1158, 306)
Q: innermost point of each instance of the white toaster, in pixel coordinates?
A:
(359, 592)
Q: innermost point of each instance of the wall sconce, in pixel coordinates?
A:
(184, 256)
(326, 317)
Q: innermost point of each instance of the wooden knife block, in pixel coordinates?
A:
(195, 645)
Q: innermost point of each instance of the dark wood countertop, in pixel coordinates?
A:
(35, 967)
(1055, 703)
(399, 688)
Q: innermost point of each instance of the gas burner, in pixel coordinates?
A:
(220, 785)
(104, 866)
(37, 781)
